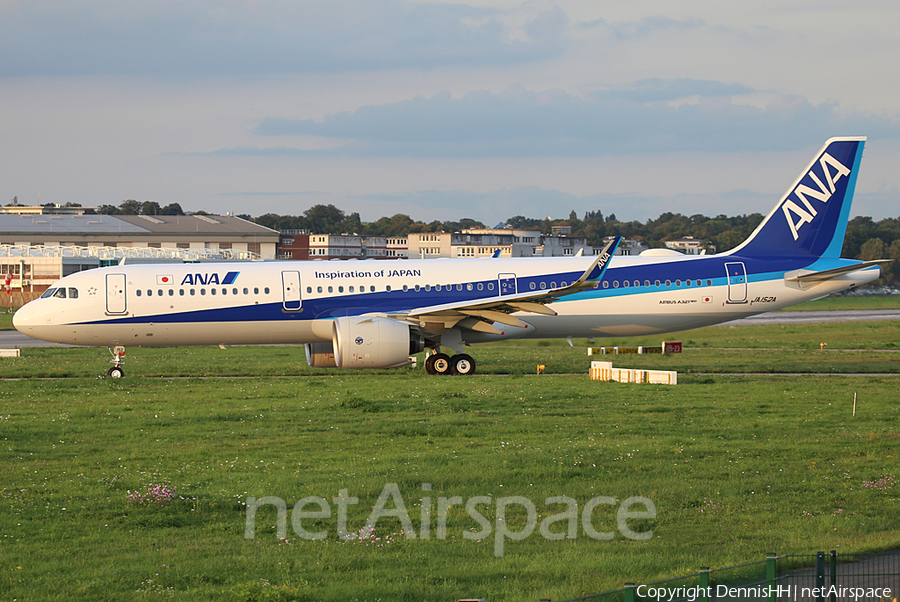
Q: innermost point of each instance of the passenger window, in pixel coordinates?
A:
(626, 284)
(388, 288)
(181, 292)
(427, 288)
(202, 291)
(543, 285)
(372, 289)
(247, 291)
(552, 285)
(491, 286)
(234, 291)
(656, 284)
(330, 289)
(266, 290)
(73, 293)
(646, 283)
(136, 292)
(437, 287)
(171, 292)
(350, 289)
(319, 289)
(709, 283)
(668, 283)
(192, 292)
(212, 291)
(469, 286)
(417, 288)
(159, 293)
(605, 284)
(340, 289)
(637, 282)
(678, 283)
(615, 284)
(224, 291)
(531, 286)
(699, 283)
(459, 287)
(405, 288)
(149, 293)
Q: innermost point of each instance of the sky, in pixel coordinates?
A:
(483, 109)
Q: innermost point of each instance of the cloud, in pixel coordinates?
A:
(169, 38)
(662, 90)
(633, 119)
(656, 25)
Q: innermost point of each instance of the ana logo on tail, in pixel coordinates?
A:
(804, 193)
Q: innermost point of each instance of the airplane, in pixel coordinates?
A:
(368, 314)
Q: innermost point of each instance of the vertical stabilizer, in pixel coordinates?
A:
(811, 219)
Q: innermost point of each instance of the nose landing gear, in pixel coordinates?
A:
(118, 353)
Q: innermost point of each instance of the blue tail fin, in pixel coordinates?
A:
(811, 219)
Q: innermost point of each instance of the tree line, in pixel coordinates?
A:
(866, 239)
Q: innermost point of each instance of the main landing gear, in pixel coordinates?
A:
(118, 359)
(441, 364)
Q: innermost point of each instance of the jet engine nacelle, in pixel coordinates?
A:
(320, 355)
(361, 342)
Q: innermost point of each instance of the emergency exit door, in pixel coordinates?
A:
(737, 282)
(290, 284)
(115, 294)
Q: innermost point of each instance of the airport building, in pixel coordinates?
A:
(301, 245)
(471, 243)
(39, 245)
(243, 239)
(691, 246)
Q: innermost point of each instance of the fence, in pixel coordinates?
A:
(832, 577)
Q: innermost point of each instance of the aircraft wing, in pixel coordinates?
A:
(482, 313)
(807, 278)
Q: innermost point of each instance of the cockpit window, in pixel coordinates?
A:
(60, 293)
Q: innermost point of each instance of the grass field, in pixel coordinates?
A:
(736, 466)
(834, 303)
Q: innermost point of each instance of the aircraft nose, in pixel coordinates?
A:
(25, 319)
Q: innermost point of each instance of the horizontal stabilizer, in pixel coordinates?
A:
(809, 278)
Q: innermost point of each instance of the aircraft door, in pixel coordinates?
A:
(115, 294)
(507, 284)
(737, 282)
(290, 284)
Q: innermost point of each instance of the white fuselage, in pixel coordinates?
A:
(297, 301)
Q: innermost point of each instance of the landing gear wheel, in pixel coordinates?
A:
(462, 364)
(441, 364)
(115, 372)
(429, 364)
